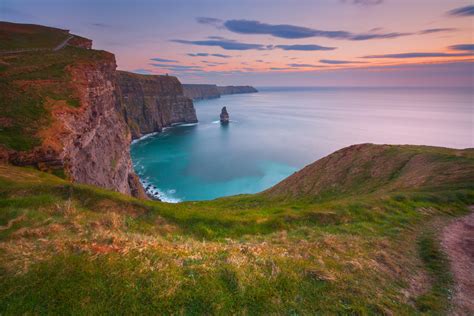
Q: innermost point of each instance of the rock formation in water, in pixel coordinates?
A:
(150, 102)
(211, 91)
(68, 124)
(224, 116)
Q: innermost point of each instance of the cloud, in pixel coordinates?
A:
(369, 36)
(305, 66)
(216, 37)
(210, 21)
(463, 11)
(207, 54)
(235, 45)
(221, 55)
(198, 54)
(296, 32)
(224, 44)
(463, 47)
(308, 47)
(281, 30)
(281, 68)
(445, 74)
(162, 60)
(101, 25)
(177, 68)
(418, 55)
(437, 30)
(212, 63)
(142, 71)
(364, 2)
(340, 62)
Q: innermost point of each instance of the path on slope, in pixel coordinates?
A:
(458, 243)
(63, 43)
(54, 49)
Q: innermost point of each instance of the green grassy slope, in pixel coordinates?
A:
(14, 36)
(367, 246)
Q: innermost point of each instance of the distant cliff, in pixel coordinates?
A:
(150, 102)
(236, 89)
(201, 91)
(211, 91)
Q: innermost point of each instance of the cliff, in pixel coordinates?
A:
(59, 113)
(211, 91)
(81, 42)
(150, 102)
(236, 89)
(201, 91)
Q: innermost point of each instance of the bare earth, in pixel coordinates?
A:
(458, 243)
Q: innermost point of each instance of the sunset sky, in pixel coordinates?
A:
(274, 42)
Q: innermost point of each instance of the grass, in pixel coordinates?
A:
(26, 36)
(437, 299)
(83, 250)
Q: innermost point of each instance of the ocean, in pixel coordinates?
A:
(278, 131)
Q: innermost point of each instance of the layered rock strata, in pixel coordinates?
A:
(149, 103)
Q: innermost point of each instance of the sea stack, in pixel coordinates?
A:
(224, 116)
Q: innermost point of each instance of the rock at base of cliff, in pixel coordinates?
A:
(224, 116)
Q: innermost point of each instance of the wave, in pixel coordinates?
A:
(144, 137)
(218, 121)
(162, 131)
(155, 192)
(182, 124)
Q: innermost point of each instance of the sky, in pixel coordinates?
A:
(274, 42)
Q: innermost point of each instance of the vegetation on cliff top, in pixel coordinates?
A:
(367, 246)
(14, 36)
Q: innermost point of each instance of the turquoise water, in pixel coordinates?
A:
(277, 131)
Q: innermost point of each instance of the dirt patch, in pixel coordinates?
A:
(12, 221)
(458, 243)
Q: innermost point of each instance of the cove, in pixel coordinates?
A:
(278, 131)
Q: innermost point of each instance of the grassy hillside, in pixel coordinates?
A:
(14, 36)
(362, 242)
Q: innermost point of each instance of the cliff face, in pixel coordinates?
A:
(96, 150)
(201, 91)
(150, 102)
(211, 91)
(80, 42)
(68, 124)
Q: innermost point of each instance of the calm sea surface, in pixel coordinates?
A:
(277, 131)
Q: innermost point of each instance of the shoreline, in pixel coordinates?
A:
(145, 136)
